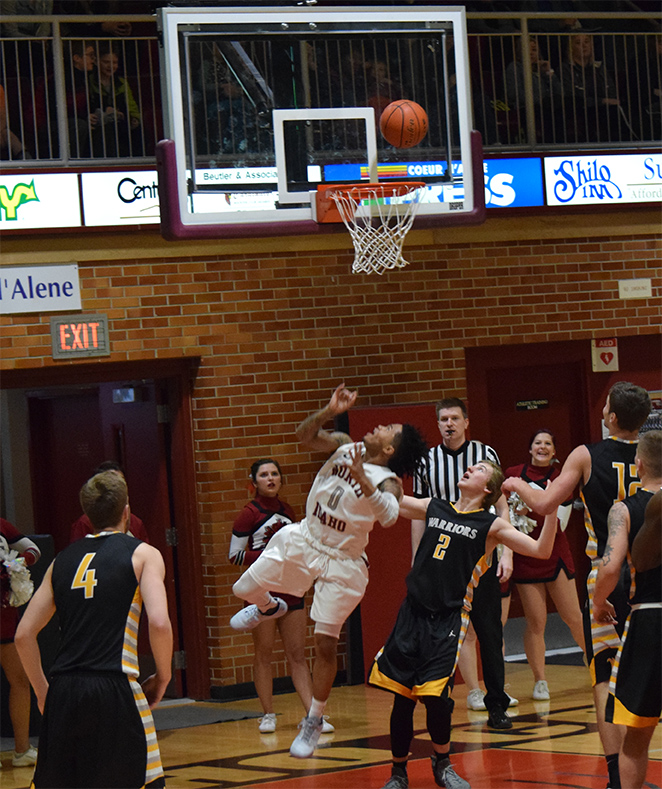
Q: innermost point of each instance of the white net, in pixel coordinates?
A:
(378, 218)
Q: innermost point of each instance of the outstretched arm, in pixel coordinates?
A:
(576, 468)
(310, 431)
(414, 509)
(501, 531)
(37, 615)
(647, 546)
(609, 570)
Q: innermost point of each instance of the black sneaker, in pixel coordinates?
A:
(498, 718)
(445, 775)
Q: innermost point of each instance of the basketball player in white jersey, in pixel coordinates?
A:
(357, 486)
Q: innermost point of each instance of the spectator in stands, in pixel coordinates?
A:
(111, 97)
(590, 101)
(81, 119)
(10, 146)
(547, 92)
(26, 29)
(645, 87)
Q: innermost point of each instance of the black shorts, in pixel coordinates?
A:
(97, 733)
(635, 687)
(420, 655)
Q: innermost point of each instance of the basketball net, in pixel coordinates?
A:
(378, 217)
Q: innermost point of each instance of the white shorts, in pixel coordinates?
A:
(292, 565)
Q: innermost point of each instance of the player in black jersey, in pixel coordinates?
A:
(419, 658)
(97, 731)
(606, 473)
(635, 688)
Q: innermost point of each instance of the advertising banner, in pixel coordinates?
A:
(606, 180)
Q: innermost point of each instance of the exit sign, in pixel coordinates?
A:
(79, 336)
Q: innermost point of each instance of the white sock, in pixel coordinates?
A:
(316, 709)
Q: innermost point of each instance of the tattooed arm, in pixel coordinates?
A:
(310, 432)
(609, 570)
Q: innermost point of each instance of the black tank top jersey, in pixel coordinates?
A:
(613, 477)
(452, 544)
(646, 587)
(98, 604)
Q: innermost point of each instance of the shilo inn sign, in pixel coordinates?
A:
(39, 289)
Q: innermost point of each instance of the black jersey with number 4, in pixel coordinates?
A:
(98, 603)
(451, 546)
(613, 477)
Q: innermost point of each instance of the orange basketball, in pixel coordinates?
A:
(404, 123)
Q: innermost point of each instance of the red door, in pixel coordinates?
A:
(71, 432)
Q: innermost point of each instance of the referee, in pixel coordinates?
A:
(439, 477)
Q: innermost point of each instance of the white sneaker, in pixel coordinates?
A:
(304, 743)
(475, 699)
(327, 727)
(541, 691)
(512, 702)
(26, 759)
(268, 723)
(251, 616)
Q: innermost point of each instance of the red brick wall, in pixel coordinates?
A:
(278, 323)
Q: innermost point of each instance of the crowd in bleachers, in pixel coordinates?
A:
(90, 88)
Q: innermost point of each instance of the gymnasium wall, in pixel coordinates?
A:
(279, 322)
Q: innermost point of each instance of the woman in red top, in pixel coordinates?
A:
(258, 521)
(536, 577)
(19, 686)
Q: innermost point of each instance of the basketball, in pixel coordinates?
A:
(404, 123)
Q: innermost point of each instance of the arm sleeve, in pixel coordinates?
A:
(385, 506)
(241, 534)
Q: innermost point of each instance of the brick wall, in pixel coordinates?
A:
(278, 323)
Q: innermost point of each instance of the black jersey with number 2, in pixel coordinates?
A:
(452, 544)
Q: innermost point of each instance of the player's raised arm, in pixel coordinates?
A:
(504, 532)
(575, 469)
(310, 432)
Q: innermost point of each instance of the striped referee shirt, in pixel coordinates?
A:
(444, 468)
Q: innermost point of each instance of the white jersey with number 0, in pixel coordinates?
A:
(338, 514)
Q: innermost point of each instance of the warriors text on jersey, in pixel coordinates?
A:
(452, 544)
(98, 602)
(338, 515)
(613, 477)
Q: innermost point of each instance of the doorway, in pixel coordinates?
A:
(77, 417)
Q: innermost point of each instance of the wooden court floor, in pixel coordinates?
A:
(552, 744)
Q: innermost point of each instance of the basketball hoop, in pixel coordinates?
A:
(378, 217)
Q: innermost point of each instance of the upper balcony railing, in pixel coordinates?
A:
(75, 94)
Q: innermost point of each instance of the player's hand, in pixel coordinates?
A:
(604, 613)
(342, 399)
(511, 485)
(153, 688)
(505, 567)
(356, 466)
